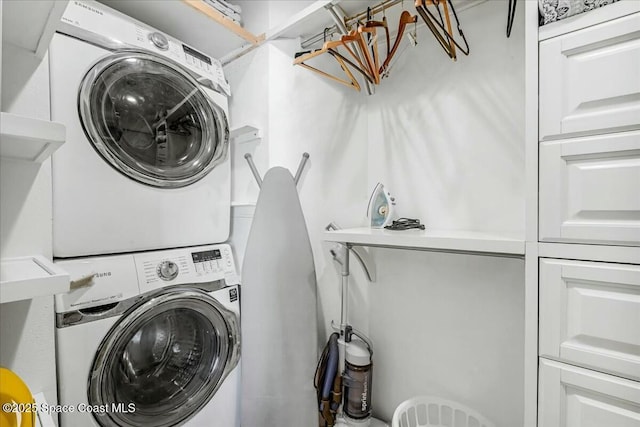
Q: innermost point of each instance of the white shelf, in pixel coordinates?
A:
(436, 240)
(303, 21)
(245, 134)
(31, 24)
(25, 138)
(29, 277)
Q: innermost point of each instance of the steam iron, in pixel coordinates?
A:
(381, 209)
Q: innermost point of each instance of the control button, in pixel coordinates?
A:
(167, 270)
(207, 266)
(159, 40)
(199, 267)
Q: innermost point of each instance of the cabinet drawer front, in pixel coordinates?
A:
(576, 397)
(590, 80)
(590, 315)
(590, 190)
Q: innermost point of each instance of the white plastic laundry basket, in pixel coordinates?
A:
(432, 411)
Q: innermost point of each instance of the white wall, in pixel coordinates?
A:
(26, 327)
(327, 121)
(448, 140)
(449, 325)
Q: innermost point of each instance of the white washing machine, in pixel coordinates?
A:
(145, 164)
(151, 339)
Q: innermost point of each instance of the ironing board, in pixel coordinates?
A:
(279, 323)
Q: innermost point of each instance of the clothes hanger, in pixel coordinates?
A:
(331, 47)
(405, 19)
(443, 35)
(366, 68)
(511, 13)
(370, 29)
(302, 57)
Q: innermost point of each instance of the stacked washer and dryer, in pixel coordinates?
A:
(149, 333)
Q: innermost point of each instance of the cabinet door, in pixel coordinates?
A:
(590, 80)
(590, 189)
(575, 397)
(590, 315)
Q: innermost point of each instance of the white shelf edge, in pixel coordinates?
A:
(503, 244)
(243, 203)
(239, 52)
(275, 32)
(26, 138)
(29, 277)
(49, 29)
(298, 18)
(43, 21)
(245, 134)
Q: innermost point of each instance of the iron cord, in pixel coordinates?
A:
(405, 224)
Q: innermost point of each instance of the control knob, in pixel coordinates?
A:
(159, 40)
(167, 270)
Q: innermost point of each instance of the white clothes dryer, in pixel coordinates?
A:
(145, 164)
(152, 339)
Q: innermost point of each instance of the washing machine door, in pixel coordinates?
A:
(163, 360)
(150, 120)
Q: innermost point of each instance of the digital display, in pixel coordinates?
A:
(201, 56)
(206, 256)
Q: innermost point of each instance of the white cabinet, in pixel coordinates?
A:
(590, 189)
(588, 209)
(590, 80)
(590, 315)
(576, 397)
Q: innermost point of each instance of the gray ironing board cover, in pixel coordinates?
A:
(279, 323)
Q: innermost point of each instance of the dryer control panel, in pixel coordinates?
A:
(96, 23)
(184, 266)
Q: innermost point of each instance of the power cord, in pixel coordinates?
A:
(405, 224)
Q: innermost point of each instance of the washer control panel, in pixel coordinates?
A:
(185, 266)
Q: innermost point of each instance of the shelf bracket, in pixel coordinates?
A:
(245, 134)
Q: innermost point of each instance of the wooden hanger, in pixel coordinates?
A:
(368, 66)
(443, 35)
(331, 47)
(371, 29)
(405, 19)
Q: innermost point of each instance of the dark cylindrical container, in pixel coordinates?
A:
(357, 381)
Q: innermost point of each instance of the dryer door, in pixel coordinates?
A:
(150, 120)
(163, 360)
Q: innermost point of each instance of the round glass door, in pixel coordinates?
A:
(163, 360)
(151, 121)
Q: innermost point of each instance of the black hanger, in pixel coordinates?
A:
(437, 26)
(511, 13)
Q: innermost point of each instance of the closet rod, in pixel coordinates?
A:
(348, 22)
(333, 29)
(374, 10)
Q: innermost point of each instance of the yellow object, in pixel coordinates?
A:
(14, 395)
